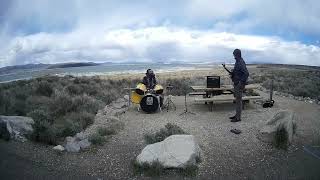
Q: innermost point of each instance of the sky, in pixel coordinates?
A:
(58, 31)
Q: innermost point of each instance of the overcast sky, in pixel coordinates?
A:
(54, 31)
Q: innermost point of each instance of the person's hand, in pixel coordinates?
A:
(223, 65)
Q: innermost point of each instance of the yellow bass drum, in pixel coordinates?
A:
(141, 89)
(158, 89)
(135, 97)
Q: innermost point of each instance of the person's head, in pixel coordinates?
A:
(237, 54)
(149, 72)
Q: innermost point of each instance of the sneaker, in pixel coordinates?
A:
(235, 120)
(236, 131)
(232, 117)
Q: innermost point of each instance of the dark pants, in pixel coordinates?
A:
(238, 90)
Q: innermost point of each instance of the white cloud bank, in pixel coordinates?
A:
(47, 31)
(154, 44)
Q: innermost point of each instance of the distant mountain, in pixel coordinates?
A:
(68, 65)
(31, 67)
(14, 69)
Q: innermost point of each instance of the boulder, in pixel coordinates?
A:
(19, 127)
(72, 144)
(282, 119)
(126, 97)
(85, 143)
(58, 148)
(176, 151)
(80, 136)
(119, 103)
(75, 144)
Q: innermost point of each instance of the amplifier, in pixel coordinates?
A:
(213, 81)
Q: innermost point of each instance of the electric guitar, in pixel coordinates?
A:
(230, 72)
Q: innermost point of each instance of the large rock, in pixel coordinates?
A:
(58, 148)
(85, 143)
(176, 151)
(72, 144)
(18, 127)
(282, 119)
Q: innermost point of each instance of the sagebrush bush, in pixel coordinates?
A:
(304, 83)
(84, 119)
(70, 128)
(74, 89)
(103, 131)
(61, 103)
(34, 102)
(86, 103)
(281, 138)
(61, 106)
(44, 88)
(170, 129)
(153, 169)
(43, 129)
(180, 86)
(97, 139)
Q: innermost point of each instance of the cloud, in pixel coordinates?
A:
(155, 44)
(190, 30)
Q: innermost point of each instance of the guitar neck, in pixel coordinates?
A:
(227, 70)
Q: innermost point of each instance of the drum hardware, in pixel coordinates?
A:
(270, 102)
(186, 90)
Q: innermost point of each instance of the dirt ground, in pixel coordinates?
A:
(224, 155)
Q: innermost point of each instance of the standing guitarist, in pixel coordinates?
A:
(239, 76)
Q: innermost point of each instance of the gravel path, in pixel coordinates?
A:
(224, 154)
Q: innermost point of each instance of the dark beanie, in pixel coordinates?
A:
(237, 53)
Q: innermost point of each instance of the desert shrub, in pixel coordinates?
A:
(40, 115)
(180, 86)
(18, 107)
(97, 139)
(2, 104)
(66, 105)
(44, 89)
(84, 119)
(281, 138)
(189, 170)
(37, 102)
(4, 133)
(5, 103)
(153, 169)
(43, 130)
(86, 103)
(70, 128)
(293, 81)
(156, 169)
(251, 92)
(103, 131)
(170, 129)
(74, 89)
(61, 103)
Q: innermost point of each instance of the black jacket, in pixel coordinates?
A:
(149, 81)
(240, 72)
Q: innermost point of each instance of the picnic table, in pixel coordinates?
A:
(222, 94)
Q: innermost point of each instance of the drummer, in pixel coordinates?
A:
(150, 79)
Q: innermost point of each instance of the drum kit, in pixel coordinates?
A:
(150, 100)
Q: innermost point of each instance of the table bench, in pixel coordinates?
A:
(225, 98)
